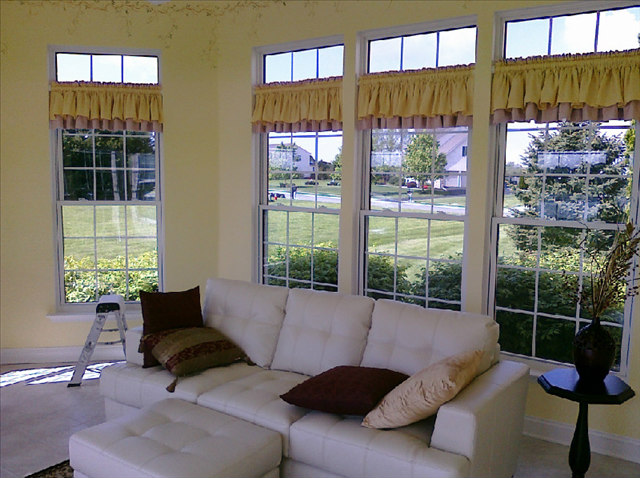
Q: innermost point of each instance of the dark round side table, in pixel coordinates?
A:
(564, 383)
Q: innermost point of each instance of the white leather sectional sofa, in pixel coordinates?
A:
(294, 334)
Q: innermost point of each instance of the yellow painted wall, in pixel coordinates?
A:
(206, 68)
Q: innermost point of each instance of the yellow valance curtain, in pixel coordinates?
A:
(596, 87)
(309, 105)
(428, 98)
(108, 106)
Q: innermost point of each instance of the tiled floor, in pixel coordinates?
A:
(36, 422)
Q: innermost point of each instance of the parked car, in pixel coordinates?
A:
(273, 196)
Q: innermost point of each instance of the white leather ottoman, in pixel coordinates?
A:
(174, 438)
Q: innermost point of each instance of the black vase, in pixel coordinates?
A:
(593, 353)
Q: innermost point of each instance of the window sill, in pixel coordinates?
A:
(60, 317)
(539, 367)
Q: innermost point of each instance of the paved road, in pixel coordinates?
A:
(382, 204)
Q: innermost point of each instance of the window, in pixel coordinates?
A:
(413, 216)
(104, 67)
(423, 50)
(598, 31)
(300, 193)
(567, 187)
(108, 204)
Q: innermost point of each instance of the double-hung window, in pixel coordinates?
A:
(107, 187)
(567, 186)
(414, 201)
(300, 185)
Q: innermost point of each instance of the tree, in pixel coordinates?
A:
(324, 170)
(565, 157)
(422, 156)
(337, 166)
(387, 140)
(78, 152)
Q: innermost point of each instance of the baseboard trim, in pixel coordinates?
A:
(58, 354)
(618, 446)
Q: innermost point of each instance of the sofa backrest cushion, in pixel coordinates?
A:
(249, 314)
(322, 330)
(408, 338)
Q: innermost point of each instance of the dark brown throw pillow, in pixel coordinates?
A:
(190, 350)
(168, 310)
(345, 390)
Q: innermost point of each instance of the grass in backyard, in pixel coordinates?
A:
(116, 230)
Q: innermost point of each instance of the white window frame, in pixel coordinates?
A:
(363, 144)
(66, 311)
(541, 365)
(260, 148)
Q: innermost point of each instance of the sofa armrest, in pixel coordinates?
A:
(132, 342)
(484, 422)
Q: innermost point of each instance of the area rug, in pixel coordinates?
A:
(61, 470)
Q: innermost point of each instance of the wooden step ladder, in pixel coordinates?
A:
(108, 304)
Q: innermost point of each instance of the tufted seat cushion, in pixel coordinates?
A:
(322, 330)
(137, 387)
(256, 399)
(174, 438)
(340, 445)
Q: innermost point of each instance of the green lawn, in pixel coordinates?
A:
(112, 229)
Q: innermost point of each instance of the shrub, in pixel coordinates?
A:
(83, 283)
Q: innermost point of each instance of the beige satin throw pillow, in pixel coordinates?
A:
(421, 395)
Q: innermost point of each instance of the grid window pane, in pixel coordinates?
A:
(78, 184)
(73, 67)
(419, 171)
(110, 221)
(301, 249)
(516, 332)
(457, 47)
(330, 61)
(573, 34)
(619, 29)
(140, 248)
(400, 262)
(140, 69)
(385, 55)
(444, 282)
(142, 221)
(536, 33)
(107, 68)
(79, 253)
(77, 221)
(419, 51)
(277, 67)
(305, 65)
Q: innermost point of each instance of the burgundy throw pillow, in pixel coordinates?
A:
(168, 310)
(345, 390)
